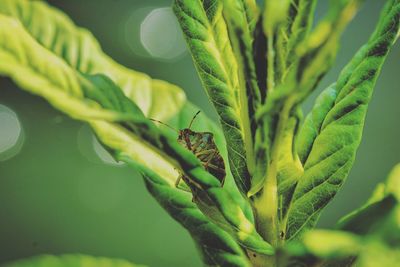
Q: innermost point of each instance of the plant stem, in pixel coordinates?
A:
(271, 64)
(266, 205)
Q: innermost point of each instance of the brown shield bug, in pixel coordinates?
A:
(202, 145)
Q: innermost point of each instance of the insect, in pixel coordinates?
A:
(202, 145)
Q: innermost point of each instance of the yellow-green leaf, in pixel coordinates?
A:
(80, 50)
(70, 261)
(330, 136)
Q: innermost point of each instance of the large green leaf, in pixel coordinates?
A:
(368, 236)
(157, 99)
(79, 49)
(287, 25)
(229, 207)
(300, 20)
(378, 254)
(379, 212)
(393, 182)
(241, 28)
(331, 134)
(310, 55)
(316, 55)
(338, 248)
(70, 261)
(327, 244)
(273, 21)
(275, 13)
(218, 248)
(95, 100)
(369, 217)
(204, 124)
(119, 124)
(296, 60)
(206, 26)
(241, 18)
(207, 35)
(325, 248)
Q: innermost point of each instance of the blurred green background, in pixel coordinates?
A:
(61, 193)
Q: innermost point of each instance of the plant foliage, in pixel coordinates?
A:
(257, 65)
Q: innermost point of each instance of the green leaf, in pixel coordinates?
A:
(286, 23)
(218, 248)
(204, 124)
(311, 126)
(369, 217)
(293, 27)
(342, 248)
(213, 200)
(378, 254)
(338, 248)
(332, 131)
(70, 261)
(318, 52)
(241, 36)
(393, 183)
(327, 244)
(379, 213)
(373, 227)
(79, 49)
(207, 36)
(93, 99)
(233, 211)
(158, 99)
(300, 20)
(297, 59)
(216, 244)
(118, 123)
(311, 58)
(217, 203)
(273, 23)
(275, 12)
(101, 103)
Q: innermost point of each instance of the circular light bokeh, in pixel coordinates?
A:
(11, 133)
(91, 148)
(103, 154)
(161, 36)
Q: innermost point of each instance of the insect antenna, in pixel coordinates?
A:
(160, 122)
(194, 117)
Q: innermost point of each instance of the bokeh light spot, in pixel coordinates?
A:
(91, 148)
(103, 154)
(11, 133)
(160, 34)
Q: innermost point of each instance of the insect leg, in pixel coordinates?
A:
(210, 157)
(212, 166)
(182, 187)
(178, 181)
(204, 152)
(208, 165)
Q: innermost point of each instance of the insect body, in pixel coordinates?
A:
(202, 145)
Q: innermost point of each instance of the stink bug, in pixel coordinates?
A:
(202, 145)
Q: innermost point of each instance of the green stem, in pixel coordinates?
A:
(271, 63)
(266, 205)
